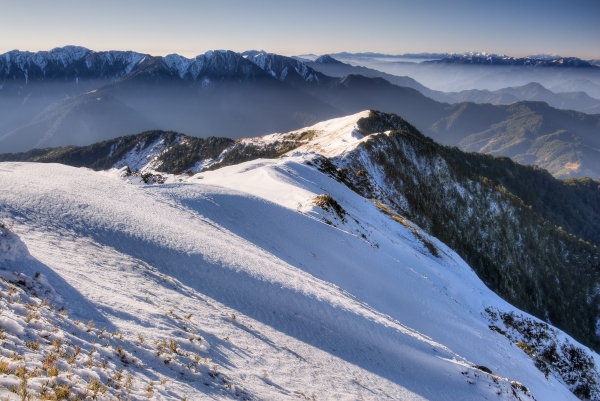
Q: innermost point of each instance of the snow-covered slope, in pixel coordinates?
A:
(262, 280)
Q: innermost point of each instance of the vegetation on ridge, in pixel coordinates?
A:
(514, 247)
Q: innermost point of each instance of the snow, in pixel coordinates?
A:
(333, 137)
(318, 308)
(269, 62)
(66, 56)
(143, 157)
(178, 63)
(290, 300)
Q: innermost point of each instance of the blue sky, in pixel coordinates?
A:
(518, 28)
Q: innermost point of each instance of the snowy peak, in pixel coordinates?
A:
(105, 63)
(224, 63)
(62, 56)
(78, 62)
(68, 62)
(178, 63)
(502, 59)
(217, 64)
(336, 137)
(286, 68)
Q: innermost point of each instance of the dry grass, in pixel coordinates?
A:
(95, 387)
(149, 389)
(52, 371)
(48, 361)
(430, 247)
(61, 392)
(4, 369)
(326, 202)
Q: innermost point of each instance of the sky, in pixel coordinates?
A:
(188, 27)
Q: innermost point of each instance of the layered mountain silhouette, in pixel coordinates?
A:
(74, 96)
(574, 99)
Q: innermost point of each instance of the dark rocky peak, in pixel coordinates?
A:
(378, 121)
(224, 63)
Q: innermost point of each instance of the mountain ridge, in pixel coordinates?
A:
(541, 203)
(284, 260)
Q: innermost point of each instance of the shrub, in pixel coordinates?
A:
(61, 392)
(4, 367)
(48, 361)
(52, 370)
(325, 202)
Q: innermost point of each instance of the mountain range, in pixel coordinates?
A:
(483, 58)
(354, 258)
(500, 59)
(76, 96)
(485, 71)
(579, 101)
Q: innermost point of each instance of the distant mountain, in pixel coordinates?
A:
(579, 101)
(289, 70)
(564, 142)
(332, 67)
(473, 70)
(216, 92)
(67, 63)
(433, 56)
(496, 59)
(80, 120)
(578, 85)
(533, 91)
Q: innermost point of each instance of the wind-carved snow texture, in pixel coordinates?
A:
(275, 319)
(297, 286)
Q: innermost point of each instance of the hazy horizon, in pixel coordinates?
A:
(191, 27)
